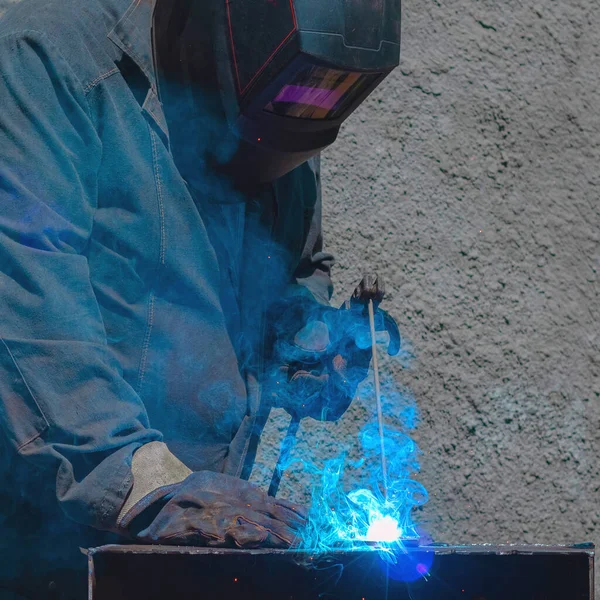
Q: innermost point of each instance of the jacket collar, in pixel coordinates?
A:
(133, 35)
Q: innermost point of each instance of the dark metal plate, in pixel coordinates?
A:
(457, 572)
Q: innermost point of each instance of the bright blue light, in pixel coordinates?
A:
(341, 520)
(384, 530)
(367, 508)
(409, 566)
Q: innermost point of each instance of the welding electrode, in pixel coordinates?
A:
(371, 291)
(378, 399)
(365, 300)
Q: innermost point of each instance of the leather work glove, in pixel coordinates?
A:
(321, 354)
(169, 504)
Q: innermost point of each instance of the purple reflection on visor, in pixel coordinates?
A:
(320, 97)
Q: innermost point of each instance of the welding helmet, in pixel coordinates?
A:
(288, 72)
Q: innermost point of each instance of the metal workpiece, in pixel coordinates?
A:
(482, 572)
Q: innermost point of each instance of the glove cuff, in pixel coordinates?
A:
(154, 467)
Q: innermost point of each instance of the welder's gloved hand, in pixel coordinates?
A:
(320, 355)
(318, 378)
(169, 504)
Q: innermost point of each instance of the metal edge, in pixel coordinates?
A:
(91, 574)
(478, 549)
(592, 577)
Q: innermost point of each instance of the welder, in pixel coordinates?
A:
(159, 238)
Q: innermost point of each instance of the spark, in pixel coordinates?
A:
(384, 530)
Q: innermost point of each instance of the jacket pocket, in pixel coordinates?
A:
(20, 414)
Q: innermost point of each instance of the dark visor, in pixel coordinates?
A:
(320, 93)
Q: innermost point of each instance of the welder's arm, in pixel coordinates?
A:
(64, 405)
(315, 370)
(313, 273)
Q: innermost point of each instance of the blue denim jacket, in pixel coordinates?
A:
(131, 309)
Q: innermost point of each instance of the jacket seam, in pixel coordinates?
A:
(86, 103)
(30, 391)
(92, 84)
(159, 121)
(161, 261)
(146, 343)
(55, 48)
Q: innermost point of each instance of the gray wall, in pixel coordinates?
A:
(470, 180)
(4, 4)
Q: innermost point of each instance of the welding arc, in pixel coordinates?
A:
(378, 399)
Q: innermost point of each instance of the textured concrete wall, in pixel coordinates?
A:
(4, 4)
(470, 180)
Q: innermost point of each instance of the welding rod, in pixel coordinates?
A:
(378, 398)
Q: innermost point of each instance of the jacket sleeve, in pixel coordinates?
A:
(313, 273)
(64, 405)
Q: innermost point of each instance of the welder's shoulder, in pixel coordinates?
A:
(74, 30)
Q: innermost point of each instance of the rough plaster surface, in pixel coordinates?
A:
(470, 180)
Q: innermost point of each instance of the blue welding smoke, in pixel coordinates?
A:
(350, 511)
(353, 504)
(351, 508)
(347, 517)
